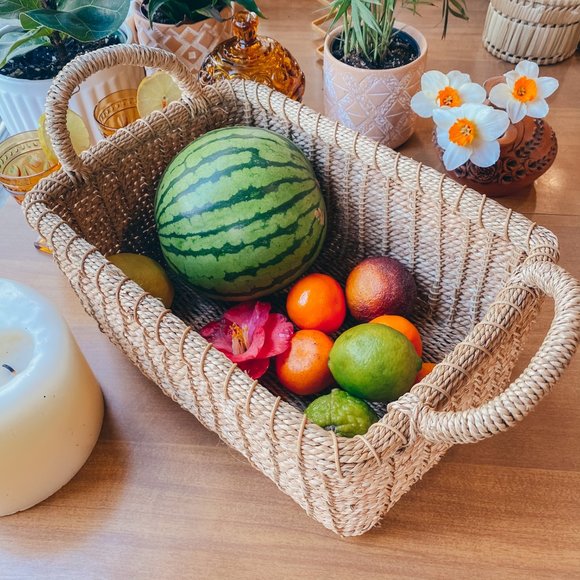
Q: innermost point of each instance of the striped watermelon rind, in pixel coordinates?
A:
(239, 213)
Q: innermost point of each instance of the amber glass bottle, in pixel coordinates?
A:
(257, 58)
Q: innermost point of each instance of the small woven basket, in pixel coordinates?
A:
(544, 31)
(481, 272)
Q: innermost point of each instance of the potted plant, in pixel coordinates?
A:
(188, 29)
(493, 137)
(40, 37)
(373, 66)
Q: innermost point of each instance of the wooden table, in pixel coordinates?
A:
(161, 497)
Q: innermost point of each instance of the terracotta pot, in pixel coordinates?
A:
(375, 102)
(189, 42)
(527, 151)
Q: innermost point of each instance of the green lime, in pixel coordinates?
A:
(344, 414)
(146, 272)
(374, 362)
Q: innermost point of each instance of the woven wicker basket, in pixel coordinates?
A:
(481, 271)
(545, 31)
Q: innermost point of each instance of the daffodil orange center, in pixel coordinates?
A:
(462, 132)
(239, 338)
(448, 97)
(525, 89)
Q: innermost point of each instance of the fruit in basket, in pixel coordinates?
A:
(380, 285)
(146, 272)
(342, 413)
(303, 368)
(426, 368)
(317, 302)
(239, 213)
(154, 93)
(374, 362)
(404, 326)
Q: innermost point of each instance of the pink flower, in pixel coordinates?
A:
(249, 335)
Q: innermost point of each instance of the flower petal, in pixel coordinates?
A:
(472, 93)
(443, 138)
(458, 79)
(491, 123)
(444, 118)
(485, 153)
(516, 110)
(455, 156)
(528, 68)
(252, 313)
(433, 81)
(511, 77)
(546, 86)
(278, 334)
(538, 109)
(423, 105)
(218, 333)
(255, 368)
(500, 95)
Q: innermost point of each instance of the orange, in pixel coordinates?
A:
(405, 327)
(303, 368)
(317, 302)
(426, 368)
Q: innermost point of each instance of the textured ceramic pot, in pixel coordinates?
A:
(375, 102)
(527, 150)
(22, 101)
(189, 42)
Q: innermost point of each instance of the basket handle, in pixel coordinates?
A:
(82, 67)
(536, 380)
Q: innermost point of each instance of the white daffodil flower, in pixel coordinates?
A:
(451, 90)
(470, 132)
(524, 93)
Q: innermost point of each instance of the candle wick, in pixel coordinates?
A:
(9, 368)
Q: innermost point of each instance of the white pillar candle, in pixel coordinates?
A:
(51, 406)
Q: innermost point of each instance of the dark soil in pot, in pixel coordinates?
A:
(402, 50)
(161, 18)
(45, 62)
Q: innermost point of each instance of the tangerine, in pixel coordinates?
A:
(405, 327)
(303, 368)
(317, 302)
(425, 369)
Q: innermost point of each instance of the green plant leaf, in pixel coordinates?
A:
(27, 23)
(16, 43)
(85, 21)
(251, 6)
(14, 8)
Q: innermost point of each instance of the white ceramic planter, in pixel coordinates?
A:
(189, 42)
(22, 101)
(375, 102)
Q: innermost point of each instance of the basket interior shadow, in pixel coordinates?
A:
(460, 247)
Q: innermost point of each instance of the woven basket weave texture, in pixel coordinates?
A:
(544, 31)
(478, 268)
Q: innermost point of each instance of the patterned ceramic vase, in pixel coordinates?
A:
(189, 42)
(527, 151)
(375, 102)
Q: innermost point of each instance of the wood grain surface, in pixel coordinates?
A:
(161, 497)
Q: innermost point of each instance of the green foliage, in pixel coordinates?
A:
(189, 11)
(368, 24)
(44, 22)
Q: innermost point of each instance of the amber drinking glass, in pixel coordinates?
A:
(116, 110)
(23, 164)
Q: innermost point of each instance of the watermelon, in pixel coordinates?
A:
(239, 213)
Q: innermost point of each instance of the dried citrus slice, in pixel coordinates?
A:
(156, 92)
(79, 135)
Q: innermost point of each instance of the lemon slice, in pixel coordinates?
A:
(79, 135)
(156, 92)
